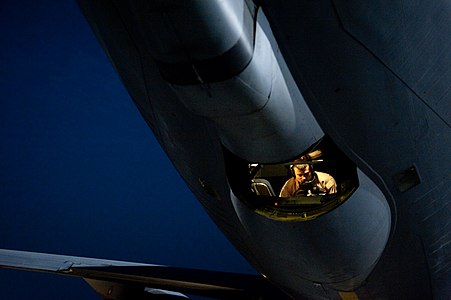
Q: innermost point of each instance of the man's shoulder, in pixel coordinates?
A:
(290, 181)
(323, 176)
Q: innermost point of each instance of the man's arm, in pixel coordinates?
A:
(287, 189)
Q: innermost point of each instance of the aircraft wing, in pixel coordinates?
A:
(117, 280)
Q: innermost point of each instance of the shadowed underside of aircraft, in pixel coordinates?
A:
(243, 96)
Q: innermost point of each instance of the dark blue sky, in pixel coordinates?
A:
(80, 172)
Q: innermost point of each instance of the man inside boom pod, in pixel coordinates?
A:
(307, 182)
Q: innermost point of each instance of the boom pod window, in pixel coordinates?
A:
(261, 186)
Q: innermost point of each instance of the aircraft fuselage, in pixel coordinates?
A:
(216, 90)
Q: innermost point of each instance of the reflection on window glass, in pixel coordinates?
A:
(311, 184)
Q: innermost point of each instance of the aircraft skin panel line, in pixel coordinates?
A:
(420, 54)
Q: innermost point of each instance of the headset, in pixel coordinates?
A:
(299, 163)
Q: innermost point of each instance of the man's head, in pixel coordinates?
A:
(303, 173)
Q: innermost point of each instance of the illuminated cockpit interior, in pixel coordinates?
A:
(307, 186)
